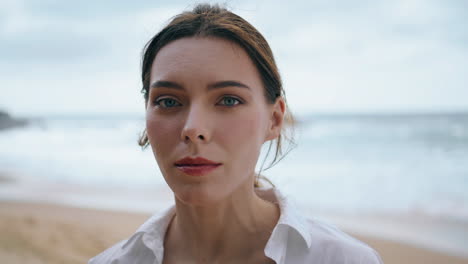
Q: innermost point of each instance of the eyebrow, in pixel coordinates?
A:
(212, 86)
(166, 84)
(223, 84)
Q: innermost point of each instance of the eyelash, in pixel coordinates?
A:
(160, 100)
(239, 101)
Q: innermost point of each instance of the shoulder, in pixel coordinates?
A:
(332, 245)
(132, 250)
(109, 254)
(301, 239)
(144, 246)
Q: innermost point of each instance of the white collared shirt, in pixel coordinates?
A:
(294, 240)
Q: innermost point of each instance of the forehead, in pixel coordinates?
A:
(204, 59)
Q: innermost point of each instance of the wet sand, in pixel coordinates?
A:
(47, 233)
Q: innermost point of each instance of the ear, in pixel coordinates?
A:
(276, 121)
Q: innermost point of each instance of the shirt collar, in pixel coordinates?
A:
(289, 219)
(153, 231)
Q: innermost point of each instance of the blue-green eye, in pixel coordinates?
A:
(167, 103)
(229, 101)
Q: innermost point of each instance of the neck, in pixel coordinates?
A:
(220, 231)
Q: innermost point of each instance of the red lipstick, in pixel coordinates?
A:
(196, 166)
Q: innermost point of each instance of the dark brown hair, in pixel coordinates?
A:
(214, 21)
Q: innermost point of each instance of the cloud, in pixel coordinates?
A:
(55, 31)
(380, 56)
(333, 55)
(60, 63)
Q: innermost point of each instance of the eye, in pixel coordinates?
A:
(229, 101)
(167, 102)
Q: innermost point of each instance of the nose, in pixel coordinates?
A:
(196, 127)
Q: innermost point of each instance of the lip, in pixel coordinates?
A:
(196, 166)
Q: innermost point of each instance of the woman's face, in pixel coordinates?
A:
(207, 101)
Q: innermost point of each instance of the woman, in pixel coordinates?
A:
(213, 97)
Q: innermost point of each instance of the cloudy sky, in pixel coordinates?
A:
(372, 56)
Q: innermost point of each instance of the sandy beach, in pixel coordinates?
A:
(48, 233)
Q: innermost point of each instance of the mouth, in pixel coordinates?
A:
(196, 166)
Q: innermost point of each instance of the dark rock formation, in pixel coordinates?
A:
(6, 121)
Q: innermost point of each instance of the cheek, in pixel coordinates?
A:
(243, 134)
(162, 133)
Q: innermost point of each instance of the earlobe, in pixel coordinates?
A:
(277, 117)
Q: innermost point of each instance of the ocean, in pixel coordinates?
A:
(384, 163)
